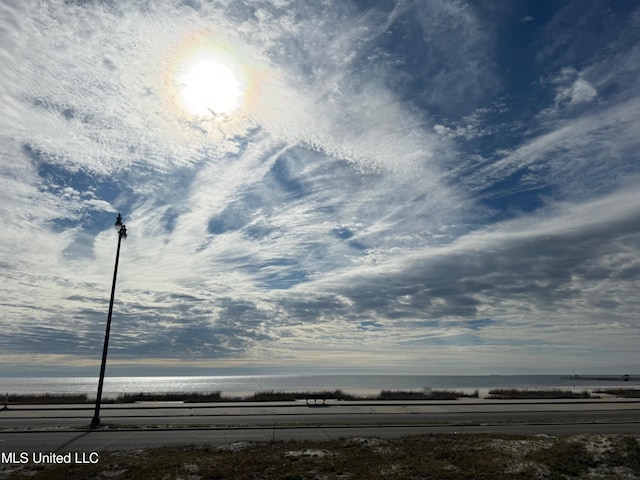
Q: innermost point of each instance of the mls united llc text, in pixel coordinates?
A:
(50, 458)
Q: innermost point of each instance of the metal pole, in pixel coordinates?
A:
(95, 422)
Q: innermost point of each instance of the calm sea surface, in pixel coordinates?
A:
(246, 384)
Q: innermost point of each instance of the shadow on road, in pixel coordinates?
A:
(69, 442)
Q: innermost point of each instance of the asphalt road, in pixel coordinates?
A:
(62, 429)
(102, 440)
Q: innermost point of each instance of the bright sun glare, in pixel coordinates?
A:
(208, 88)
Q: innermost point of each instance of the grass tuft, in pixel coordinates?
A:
(620, 392)
(45, 398)
(417, 395)
(194, 397)
(513, 393)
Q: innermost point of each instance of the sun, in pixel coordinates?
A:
(207, 87)
(214, 83)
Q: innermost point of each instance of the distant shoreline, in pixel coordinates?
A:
(603, 378)
(234, 388)
(317, 396)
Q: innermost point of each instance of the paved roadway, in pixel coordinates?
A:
(63, 428)
(101, 440)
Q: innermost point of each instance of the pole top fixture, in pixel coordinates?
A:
(121, 227)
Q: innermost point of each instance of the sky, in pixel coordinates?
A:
(398, 187)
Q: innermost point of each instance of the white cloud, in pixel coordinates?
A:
(580, 91)
(331, 217)
(536, 278)
(585, 154)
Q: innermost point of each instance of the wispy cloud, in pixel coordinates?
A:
(383, 197)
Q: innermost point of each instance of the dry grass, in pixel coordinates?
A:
(264, 396)
(415, 457)
(431, 395)
(515, 394)
(43, 399)
(621, 392)
(167, 397)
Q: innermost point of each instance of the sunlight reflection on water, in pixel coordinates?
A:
(247, 384)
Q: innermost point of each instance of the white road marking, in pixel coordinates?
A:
(114, 440)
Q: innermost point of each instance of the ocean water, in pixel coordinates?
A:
(248, 384)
